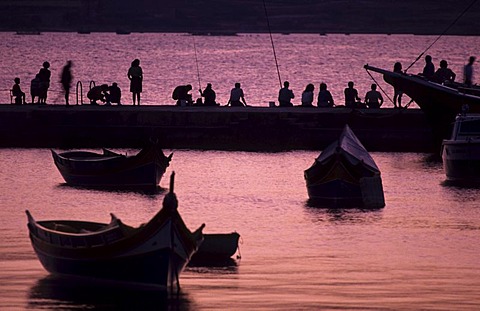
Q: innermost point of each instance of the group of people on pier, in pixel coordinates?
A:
(181, 94)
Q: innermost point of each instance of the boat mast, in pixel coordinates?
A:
(273, 46)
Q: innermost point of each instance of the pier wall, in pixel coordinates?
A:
(217, 128)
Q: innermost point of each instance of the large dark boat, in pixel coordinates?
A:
(113, 170)
(461, 153)
(153, 254)
(345, 175)
(440, 102)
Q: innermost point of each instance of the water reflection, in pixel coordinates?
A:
(149, 191)
(346, 215)
(61, 293)
(220, 266)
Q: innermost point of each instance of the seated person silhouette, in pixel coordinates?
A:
(17, 92)
(373, 98)
(114, 94)
(98, 93)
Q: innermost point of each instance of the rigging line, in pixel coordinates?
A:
(273, 46)
(443, 33)
(383, 91)
(196, 62)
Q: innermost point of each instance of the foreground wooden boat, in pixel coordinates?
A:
(345, 175)
(441, 103)
(461, 153)
(113, 170)
(153, 254)
(217, 246)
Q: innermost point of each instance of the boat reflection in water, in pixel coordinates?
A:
(56, 292)
(345, 175)
(461, 153)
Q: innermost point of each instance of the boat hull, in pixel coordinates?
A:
(218, 246)
(111, 170)
(461, 161)
(335, 193)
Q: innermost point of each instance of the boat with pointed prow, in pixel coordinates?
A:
(153, 254)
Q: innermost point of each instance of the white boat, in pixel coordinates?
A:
(461, 153)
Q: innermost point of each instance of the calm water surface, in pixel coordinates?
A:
(419, 252)
(168, 60)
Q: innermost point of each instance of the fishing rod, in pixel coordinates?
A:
(273, 46)
(443, 33)
(196, 62)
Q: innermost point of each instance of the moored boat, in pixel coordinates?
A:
(461, 153)
(153, 254)
(113, 170)
(217, 246)
(345, 175)
(440, 102)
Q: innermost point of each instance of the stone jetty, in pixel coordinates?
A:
(210, 128)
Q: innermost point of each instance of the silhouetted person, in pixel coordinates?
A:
(307, 95)
(35, 86)
(325, 98)
(135, 75)
(429, 69)
(98, 93)
(44, 75)
(351, 96)
(209, 95)
(114, 94)
(444, 74)
(285, 95)
(373, 98)
(182, 96)
(397, 93)
(66, 80)
(17, 92)
(237, 98)
(468, 71)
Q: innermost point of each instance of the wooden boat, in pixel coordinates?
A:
(217, 246)
(113, 170)
(440, 102)
(461, 153)
(345, 175)
(153, 254)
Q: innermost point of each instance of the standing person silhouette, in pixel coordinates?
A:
(44, 76)
(468, 72)
(429, 69)
(397, 93)
(66, 80)
(135, 75)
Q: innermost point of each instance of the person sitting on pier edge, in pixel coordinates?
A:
(351, 96)
(35, 88)
(209, 95)
(114, 94)
(285, 95)
(17, 92)
(397, 93)
(373, 98)
(429, 69)
(325, 98)
(444, 74)
(181, 95)
(237, 98)
(307, 95)
(98, 93)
